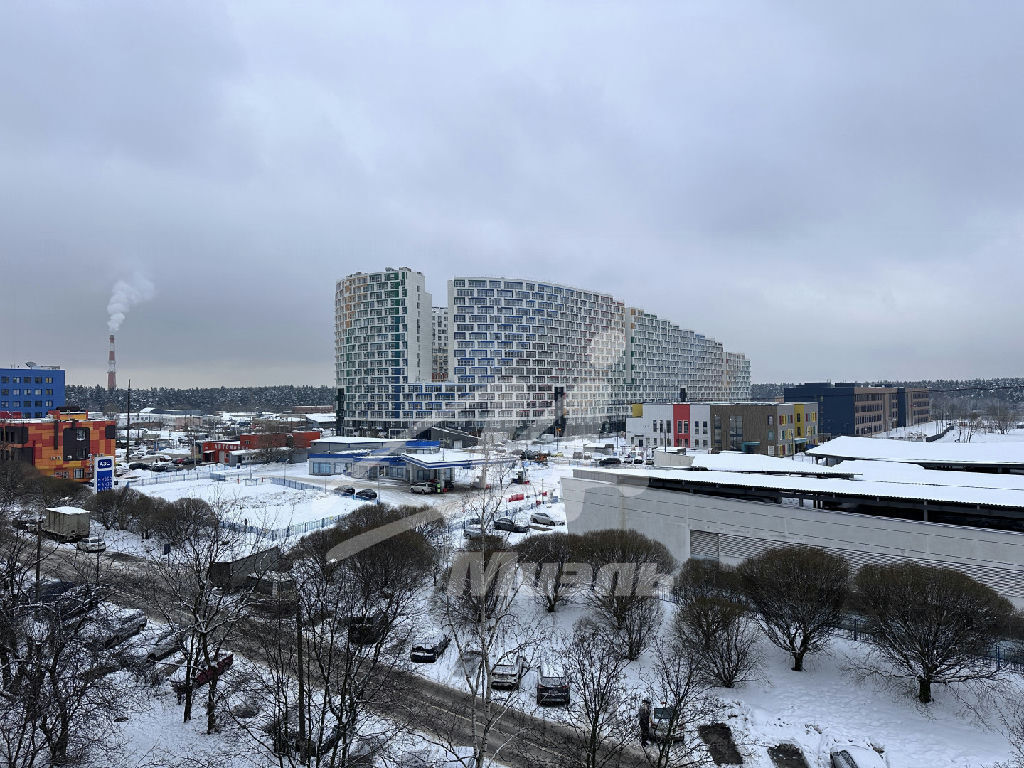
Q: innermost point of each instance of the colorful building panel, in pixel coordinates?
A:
(60, 446)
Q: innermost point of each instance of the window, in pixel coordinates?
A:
(79, 473)
(771, 419)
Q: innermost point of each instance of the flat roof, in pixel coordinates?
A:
(869, 489)
(454, 458)
(732, 461)
(883, 449)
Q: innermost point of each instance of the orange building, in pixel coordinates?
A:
(61, 445)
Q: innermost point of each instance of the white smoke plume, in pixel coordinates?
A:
(124, 296)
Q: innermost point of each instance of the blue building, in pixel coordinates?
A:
(31, 392)
(848, 408)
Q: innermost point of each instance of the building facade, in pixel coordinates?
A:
(771, 429)
(439, 338)
(913, 406)
(523, 357)
(848, 408)
(61, 445)
(31, 393)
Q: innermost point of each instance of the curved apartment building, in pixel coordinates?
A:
(522, 356)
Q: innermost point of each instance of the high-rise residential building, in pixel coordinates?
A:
(849, 408)
(439, 337)
(522, 356)
(31, 392)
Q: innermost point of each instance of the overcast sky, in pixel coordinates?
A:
(835, 189)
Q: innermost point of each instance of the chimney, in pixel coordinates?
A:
(111, 368)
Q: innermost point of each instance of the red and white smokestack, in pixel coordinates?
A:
(111, 368)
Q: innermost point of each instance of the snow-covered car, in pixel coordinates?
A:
(508, 672)
(552, 685)
(545, 518)
(92, 544)
(472, 531)
(853, 756)
(429, 648)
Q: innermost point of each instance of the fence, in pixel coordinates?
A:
(297, 485)
(279, 534)
(167, 477)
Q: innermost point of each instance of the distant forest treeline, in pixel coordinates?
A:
(205, 399)
(966, 392)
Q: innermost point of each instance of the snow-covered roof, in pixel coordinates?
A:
(322, 418)
(454, 458)
(68, 510)
(942, 494)
(880, 449)
(899, 472)
(732, 461)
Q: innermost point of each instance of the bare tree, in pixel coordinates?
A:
(714, 623)
(681, 706)
(475, 604)
(799, 594)
(629, 569)
(598, 711)
(180, 588)
(932, 624)
(547, 566)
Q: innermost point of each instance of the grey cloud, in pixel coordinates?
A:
(835, 190)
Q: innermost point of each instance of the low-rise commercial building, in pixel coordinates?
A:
(31, 393)
(61, 445)
(848, 408)
(771, 429)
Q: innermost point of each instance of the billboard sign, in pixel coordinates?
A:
(103, 473)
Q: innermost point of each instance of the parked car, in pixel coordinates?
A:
(509, 524)
(609, 461)
(138, 465)
(544, 518)
(508, 673)
(345, 491)
(120, 628)
(552, 685)
(367, 493)
(92, 544)
(422, 488)
(430, 648)
(856, 757)
(664, 726)
(365, 630)
(639, 460)
(156, 467)
(164, 644)
(472, 531)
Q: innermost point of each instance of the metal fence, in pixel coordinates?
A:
(297, 485)
(167, 477)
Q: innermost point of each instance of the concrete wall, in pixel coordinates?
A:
(742, 529)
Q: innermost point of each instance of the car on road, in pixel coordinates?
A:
(509, 524)
(368, 494)
(552, 685)
(545, 518)
(508, 671)
(609, 461)
(92, 544)
(422, 488)
(430, 648)
(345, 491)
